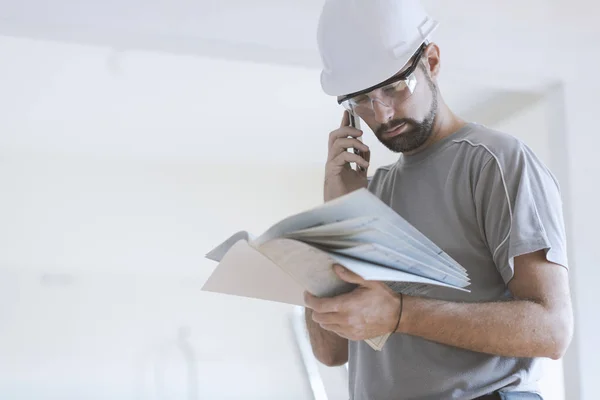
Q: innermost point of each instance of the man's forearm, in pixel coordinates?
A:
(328, 347)
(518, 328)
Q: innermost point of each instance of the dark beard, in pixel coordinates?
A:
(417, 132)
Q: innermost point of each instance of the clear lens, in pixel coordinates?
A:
(389, 95)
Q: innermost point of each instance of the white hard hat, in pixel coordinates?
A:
(365, 42)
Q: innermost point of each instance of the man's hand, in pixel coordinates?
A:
(340, 178)
(368, 311)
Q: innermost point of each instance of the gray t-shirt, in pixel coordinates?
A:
(484, 198)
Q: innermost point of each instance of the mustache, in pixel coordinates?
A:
(390, 126)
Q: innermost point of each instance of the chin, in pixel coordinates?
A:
(404, 145)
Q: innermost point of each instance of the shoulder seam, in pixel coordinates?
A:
(503, 183)
(386, 167)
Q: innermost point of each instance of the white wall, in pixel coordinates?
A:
(101, 266)
(584, 174)
(108, 204)
(532, 125)
(117, 174)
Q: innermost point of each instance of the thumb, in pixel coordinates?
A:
(348, 276)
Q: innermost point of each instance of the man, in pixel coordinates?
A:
(481, 195)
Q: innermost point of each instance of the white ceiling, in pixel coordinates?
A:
(491, 32)
(116, 98)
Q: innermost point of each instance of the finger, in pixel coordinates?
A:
(345, 119)
(342, 160)
(349, 142)
(366, 155)
(322, 304)
(326, 304)
(343, 133)
(310, 300)
(348, 276)
(328, 318)
(343, 144)
(335, 328)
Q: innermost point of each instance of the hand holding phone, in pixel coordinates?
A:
(345, 148)
(355, 123)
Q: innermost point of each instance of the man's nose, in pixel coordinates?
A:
(383, 112)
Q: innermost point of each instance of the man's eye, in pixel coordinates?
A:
(361, 99)
(391, 89)
(398, 86)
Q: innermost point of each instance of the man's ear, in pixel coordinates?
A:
(432, 57)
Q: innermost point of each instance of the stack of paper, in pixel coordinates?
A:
(358, 231)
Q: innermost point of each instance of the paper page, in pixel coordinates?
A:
(372, 272)
(307, 265)
(418, 242)
(244, 271)
(335, 229)
(342, 246)
(403, 230)
(219, 252)
(386, 257)
(393, 245)
(395, 235)
(378, 342)
(359, 203)
(356, 204)
(380, 255)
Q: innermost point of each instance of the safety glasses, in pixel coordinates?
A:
(389, 93)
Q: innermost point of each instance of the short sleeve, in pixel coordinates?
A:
(519, 210)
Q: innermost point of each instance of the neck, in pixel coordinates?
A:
(445, 124)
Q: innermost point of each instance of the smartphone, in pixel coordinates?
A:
(355, 123)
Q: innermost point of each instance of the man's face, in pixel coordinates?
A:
(407, 125)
